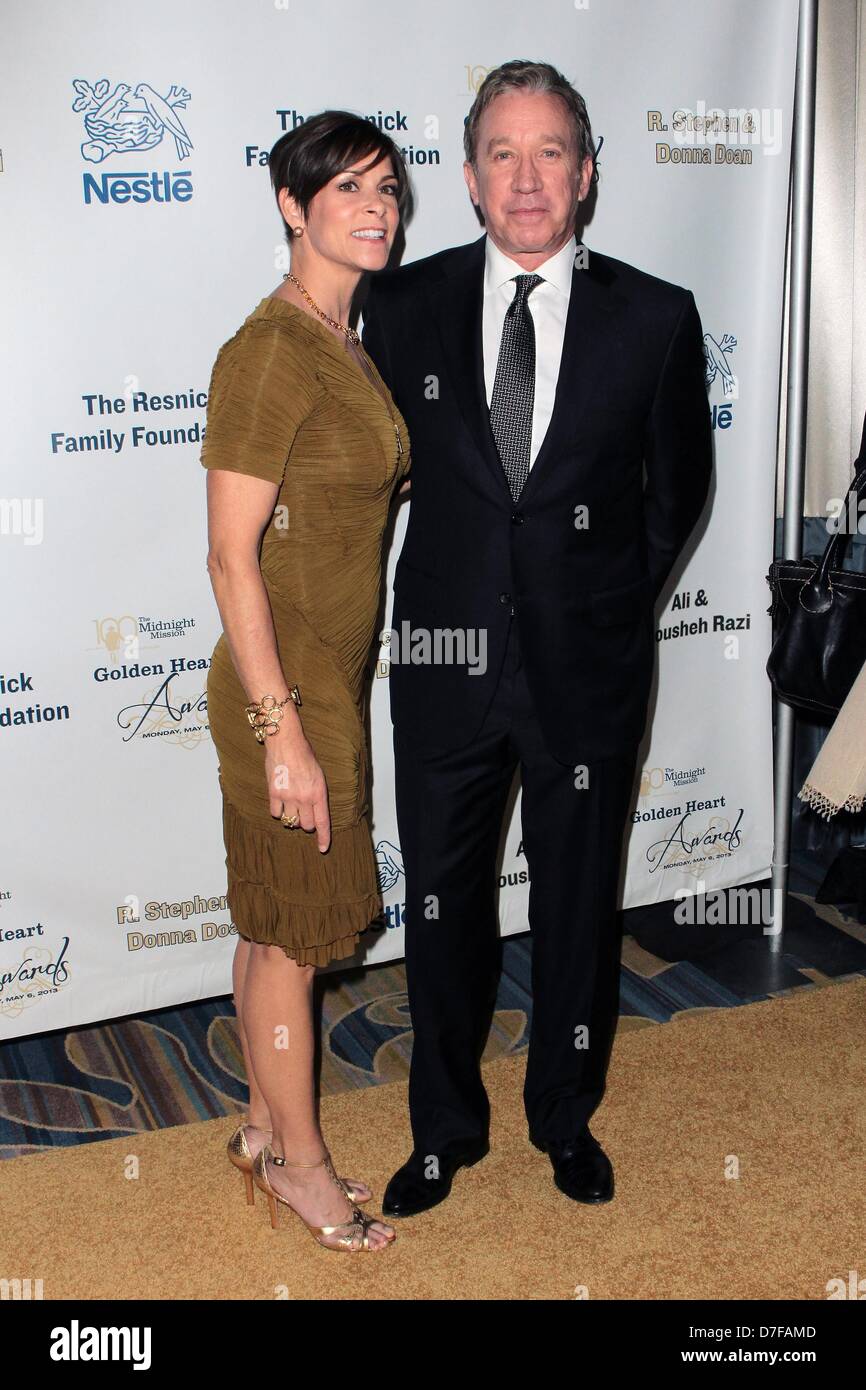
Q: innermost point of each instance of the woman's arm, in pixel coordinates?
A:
(239, 508)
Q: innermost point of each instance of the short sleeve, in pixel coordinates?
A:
(262, 388)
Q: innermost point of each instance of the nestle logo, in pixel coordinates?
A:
(138, 187)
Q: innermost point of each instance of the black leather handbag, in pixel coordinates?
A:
(819, 617)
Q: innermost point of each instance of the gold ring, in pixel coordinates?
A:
(290, 822)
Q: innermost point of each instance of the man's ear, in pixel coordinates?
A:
(471, 181)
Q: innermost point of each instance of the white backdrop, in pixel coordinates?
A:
(138, 230)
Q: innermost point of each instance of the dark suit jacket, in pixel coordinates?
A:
(631, 391)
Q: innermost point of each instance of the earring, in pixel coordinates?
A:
(297, 231)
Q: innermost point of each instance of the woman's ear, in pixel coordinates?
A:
(292, 214)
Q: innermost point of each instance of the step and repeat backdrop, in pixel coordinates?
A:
(138, 230)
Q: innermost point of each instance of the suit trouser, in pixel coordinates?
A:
(450, 809)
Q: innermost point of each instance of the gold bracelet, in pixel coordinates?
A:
(265, 716)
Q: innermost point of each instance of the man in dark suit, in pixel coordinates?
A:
(538, 379)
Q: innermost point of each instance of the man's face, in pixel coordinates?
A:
(527, 179)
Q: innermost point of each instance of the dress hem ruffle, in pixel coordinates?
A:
(251, 902)
(282, 891)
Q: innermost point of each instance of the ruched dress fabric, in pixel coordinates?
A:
(289, 403)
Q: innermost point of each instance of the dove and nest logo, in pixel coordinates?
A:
(121, 121)
(717, 370)
(389, 867)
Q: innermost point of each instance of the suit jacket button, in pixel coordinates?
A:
(504, 598)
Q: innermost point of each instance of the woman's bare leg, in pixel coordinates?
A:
(258, 1118)
(258, 1124)
(277, 1017)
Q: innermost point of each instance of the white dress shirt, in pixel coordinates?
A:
(548, 305)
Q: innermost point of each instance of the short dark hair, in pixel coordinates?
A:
(306, 158)
(525, 76)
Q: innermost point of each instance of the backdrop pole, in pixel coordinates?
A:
(802, 162)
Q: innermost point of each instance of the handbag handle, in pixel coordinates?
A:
(816, 595)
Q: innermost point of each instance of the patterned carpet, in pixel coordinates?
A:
(177, 1066)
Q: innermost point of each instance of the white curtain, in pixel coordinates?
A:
(837, 339)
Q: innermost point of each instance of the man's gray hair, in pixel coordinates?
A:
(522, 76)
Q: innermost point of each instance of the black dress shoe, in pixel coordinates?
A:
(581, 1168)
(410, 1191)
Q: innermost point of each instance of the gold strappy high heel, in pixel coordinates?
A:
(238, 1151)
(346, 1233)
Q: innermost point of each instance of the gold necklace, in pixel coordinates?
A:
(353, 338)
(335, 323)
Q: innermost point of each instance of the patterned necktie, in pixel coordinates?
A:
(514, 386)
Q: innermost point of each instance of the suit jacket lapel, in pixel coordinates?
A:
(591, 305)
(457, 303)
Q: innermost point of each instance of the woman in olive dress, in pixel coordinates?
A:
(305, 451)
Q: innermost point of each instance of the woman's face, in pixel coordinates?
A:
(354, 218)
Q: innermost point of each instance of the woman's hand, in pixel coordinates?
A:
(296, 784)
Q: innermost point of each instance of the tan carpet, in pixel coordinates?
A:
(776, 1087)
